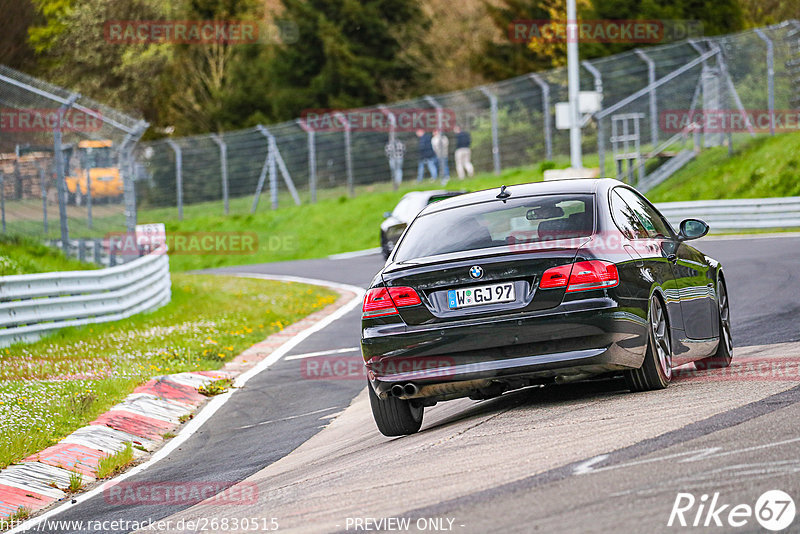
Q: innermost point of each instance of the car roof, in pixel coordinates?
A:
(583, 185)
(428, 193)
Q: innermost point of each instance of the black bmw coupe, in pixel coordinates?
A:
(536, 284)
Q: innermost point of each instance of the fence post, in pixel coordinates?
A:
(178, 175)
(3, 199)
(128, 185)
(651, 79)
(223, 163)
(495, 136)
(598, 87)
(723, 69)
(392, 137)
(98, 251)
(277, 158)
(43, 185)
(89, 197)
(60, 180)
(312, 159)
(548, 133)
(430, 100)
(347, 154)
(770, 79)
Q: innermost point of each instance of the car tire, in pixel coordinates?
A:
(393, 416)
(656, 370)
(722, 358)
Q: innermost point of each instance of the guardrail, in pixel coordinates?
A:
(739, 214)
(34, 304)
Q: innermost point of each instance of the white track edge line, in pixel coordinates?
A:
(217, 402)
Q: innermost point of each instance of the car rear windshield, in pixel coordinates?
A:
(496, 224)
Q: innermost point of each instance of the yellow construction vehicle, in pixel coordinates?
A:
(96, 167)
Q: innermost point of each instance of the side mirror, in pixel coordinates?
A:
(387, 214)
(692, 229)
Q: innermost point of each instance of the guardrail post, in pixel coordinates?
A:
(348, 155)
(770, 79)
(178, 175)
(651, 79)
(548, 133)
(60, 179)
(312, 159)
(495, 135)
(223, 163)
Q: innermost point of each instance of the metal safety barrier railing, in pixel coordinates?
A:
(738, 214)
(32, 305)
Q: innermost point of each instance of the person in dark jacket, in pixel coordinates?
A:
(427, 157)
(463, 153)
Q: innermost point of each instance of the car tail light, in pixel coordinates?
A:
(581, 276)
(380, 301)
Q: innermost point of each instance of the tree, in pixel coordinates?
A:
(717, 17)
(18, 16)
(74, 53)
(347, 54)
(510, 57)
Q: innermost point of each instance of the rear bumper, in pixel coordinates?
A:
(572, 340)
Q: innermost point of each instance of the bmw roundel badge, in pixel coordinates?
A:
(476, 271)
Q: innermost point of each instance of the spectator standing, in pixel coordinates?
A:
(427, 157)
(463, 153)
(441, 149)
(395, 152)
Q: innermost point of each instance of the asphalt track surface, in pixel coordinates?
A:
(574, 458)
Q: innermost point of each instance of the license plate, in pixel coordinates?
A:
(475, 296)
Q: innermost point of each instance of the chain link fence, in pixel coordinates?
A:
(646, 128)
(66, 163)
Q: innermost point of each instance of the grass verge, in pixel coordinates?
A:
(22, 255)
(51, 387)
(760, 167)
(115, 463)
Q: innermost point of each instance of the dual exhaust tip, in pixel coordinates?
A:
(404, 390)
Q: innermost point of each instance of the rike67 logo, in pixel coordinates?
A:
(774, 510)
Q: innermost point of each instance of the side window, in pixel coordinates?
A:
(655, 225)
(626, 219)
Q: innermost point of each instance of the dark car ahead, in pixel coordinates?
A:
(536, 284)
(409, 206)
